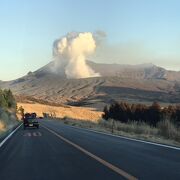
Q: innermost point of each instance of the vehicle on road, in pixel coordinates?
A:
(30, 120)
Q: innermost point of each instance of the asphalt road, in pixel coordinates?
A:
(56, 151)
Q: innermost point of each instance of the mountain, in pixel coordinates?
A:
(141, 71)
(135, 83)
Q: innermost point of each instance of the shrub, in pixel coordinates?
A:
(7, 99)
(151, 115)
(168, 129)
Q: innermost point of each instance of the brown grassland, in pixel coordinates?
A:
(79, 113)
(89, 118)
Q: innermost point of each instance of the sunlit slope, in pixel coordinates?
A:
(139, 83)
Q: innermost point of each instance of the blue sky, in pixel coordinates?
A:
(138, 31)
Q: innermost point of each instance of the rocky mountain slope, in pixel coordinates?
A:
(135, 83)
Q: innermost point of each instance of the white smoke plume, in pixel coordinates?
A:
(70, 53)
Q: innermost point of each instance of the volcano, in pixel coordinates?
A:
(133, 83)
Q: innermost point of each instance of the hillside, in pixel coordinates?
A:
(138, 83)
(140, 71)
(7, 111)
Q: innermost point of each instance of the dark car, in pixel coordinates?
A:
(30, 120)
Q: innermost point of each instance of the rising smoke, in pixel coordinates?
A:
(70, 53)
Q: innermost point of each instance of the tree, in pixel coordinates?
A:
(21, 111)
(3, 102)
(105, 114)
(10, 99)
(154, 114)
(119, 111)
(177, 115)
(140, 113)
(7, 99)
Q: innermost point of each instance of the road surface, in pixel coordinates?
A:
(57, 151)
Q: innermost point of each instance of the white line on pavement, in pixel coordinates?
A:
(127, 138)
(2, 143)
(100, 160)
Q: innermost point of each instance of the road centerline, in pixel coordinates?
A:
(100, 160)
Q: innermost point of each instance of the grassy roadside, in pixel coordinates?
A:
(8, 118)
(4, 134)
(164, 133)
(8, 121)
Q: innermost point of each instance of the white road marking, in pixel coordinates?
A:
(2, 143)
(127, 138)
(34, 134)
(102, 161)
(39, 134)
